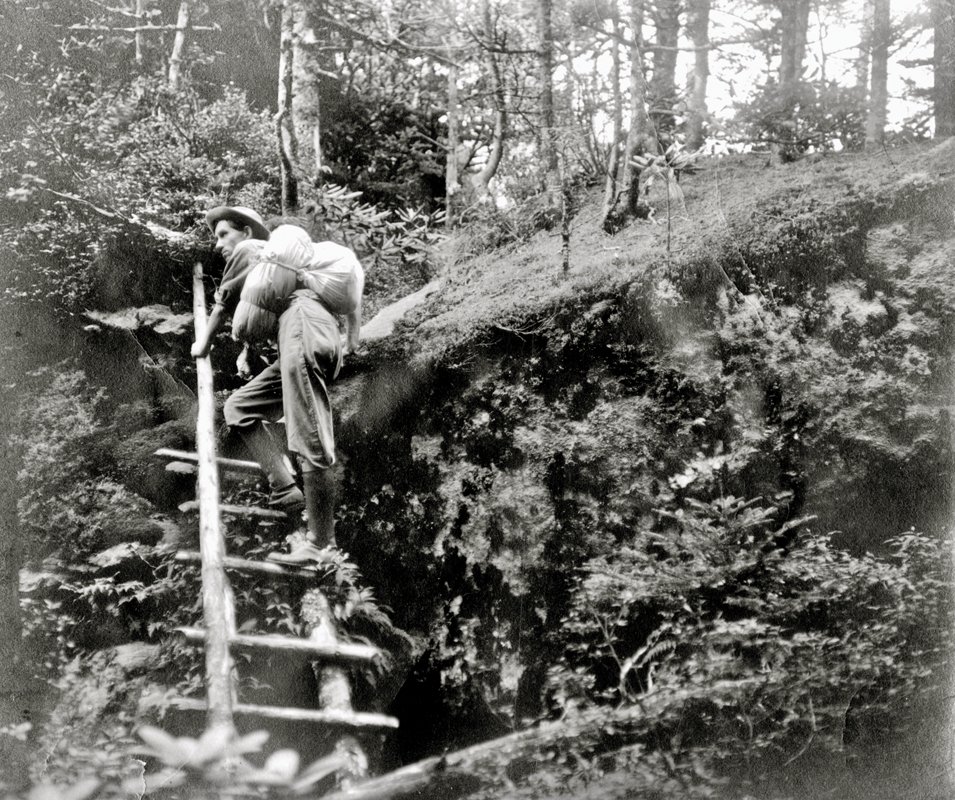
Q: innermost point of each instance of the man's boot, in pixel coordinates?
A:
(321, 492)
(283, 494)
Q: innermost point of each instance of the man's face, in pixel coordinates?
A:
(228, 237)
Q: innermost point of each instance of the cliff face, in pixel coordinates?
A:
(794, 345)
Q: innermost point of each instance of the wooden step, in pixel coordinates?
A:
(340, 652)
(259, 567)
(247, 512)
(181, 468)
(345, 719)
(230, 464)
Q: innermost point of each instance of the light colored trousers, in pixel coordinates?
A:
(295, 384)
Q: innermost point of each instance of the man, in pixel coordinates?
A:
(294, 386)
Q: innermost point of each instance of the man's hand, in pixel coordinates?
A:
(242, 363)
(200, 349)
(352, 346)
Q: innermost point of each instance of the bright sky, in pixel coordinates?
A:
(832, 53)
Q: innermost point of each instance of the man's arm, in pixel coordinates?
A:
(203, 344)
(353, 320)
(353, 330)
(236, 270)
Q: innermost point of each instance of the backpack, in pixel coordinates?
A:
(270, 283)
(336, 277)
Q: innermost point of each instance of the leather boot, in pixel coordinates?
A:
(284, 494)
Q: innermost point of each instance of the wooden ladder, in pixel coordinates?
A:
(329, 655)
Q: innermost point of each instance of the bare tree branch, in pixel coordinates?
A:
(138, 28)
(392, 43)
(621, 38)
(122, 11)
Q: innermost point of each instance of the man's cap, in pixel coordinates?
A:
(240, 215)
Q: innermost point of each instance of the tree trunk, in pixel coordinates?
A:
(613, 160)
(662, 88)
(14, 705)
(545, 69)
(307, 69)
(483, 178)
(943, 19)
(794, 25)
(865, 48)
(451, 183)
(699, 29)
(878, 91)
(179, 44)
(284, 129)
(639, 138)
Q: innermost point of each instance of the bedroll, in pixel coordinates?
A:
(332, 272)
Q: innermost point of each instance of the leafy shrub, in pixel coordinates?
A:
(93, 169)
(379, 140)
(753, 638)
(396, 246)
(100, 581)
(485, 227)
(71, 501)
(62, 457)
(812, 118)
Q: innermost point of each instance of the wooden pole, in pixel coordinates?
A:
(334, 652)
(360, 721)
(334, 688)
(215, 590)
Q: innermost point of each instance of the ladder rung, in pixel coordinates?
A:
(341, 652)
(348, 719)
(231, 464)
(262, 567)
(238, 511)
(181, 468)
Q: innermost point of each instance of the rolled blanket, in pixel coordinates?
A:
(335, 275)
(270, 283)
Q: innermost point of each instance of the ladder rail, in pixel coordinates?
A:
(330, 656)
(215, 590)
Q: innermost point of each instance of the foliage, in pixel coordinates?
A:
(396, 247)
(75, 212)
(215, 763)
(380, 143)
(485, 227)
(272, 607)
(812, 118)
(792, 637)
(96, 578)
(73, 501)
(670, 164)
(63, 457)
(88, 735)
(573, 434)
